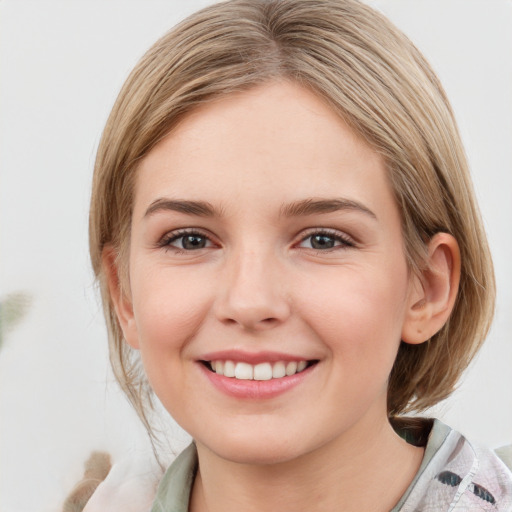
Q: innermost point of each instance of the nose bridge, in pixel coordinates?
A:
(252, 294)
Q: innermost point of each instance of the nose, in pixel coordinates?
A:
(252, 293)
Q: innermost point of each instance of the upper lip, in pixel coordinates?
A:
(252, 357)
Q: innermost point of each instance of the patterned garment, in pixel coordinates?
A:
(455, 475)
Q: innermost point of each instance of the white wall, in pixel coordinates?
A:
(61, 66)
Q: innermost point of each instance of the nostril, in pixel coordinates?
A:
(252, 324)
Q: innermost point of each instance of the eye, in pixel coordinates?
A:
(325, 240)
(186, 241)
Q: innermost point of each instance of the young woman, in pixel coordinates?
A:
(286, 236)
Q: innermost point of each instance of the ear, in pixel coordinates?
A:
(119, 296)
(433, 293)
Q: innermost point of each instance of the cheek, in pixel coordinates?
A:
(168, 308)
(358, 315)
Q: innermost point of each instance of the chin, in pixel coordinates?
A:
(256, 449)
(256, 455)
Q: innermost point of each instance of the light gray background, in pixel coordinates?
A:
(61, 66)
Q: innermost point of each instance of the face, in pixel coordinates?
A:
(268, 281)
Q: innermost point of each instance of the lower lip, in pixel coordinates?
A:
(256, 389)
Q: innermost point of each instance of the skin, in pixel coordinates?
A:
(258, 284)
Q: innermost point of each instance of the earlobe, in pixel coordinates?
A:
(119, 296)
(433, 293)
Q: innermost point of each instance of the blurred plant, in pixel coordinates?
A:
(97, 467)
(13, 308)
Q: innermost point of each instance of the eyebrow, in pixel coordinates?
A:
(314, 206)
(302, 208)
(199, 208)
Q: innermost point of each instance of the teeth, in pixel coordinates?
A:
(278, 370)
(243, 371)
(291, 368)
(229, 369)
(261, 371)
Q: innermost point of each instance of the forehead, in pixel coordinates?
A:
(277, 141)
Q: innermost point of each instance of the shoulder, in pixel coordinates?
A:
(458, 474)
(130, 486)
(174, 490)
(138, 484)
(505, 454)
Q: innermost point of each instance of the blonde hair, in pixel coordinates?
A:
(379, 83)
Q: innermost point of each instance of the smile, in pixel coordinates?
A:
(256, 375)
(261, 371)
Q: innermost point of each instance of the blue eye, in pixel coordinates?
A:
(186, 241)
(192, 242)
(324, 241)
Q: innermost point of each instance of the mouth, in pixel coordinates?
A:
(263, 371)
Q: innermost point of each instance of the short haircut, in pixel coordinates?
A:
(376, 80)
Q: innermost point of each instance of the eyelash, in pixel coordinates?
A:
(173, 236)
(344, 240)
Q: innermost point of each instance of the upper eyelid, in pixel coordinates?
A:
(171, 236)
(335, 233)
(330, 231)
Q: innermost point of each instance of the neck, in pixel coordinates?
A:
(367, 469)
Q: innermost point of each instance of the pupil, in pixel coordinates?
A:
(193, 242)
(322, 242)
